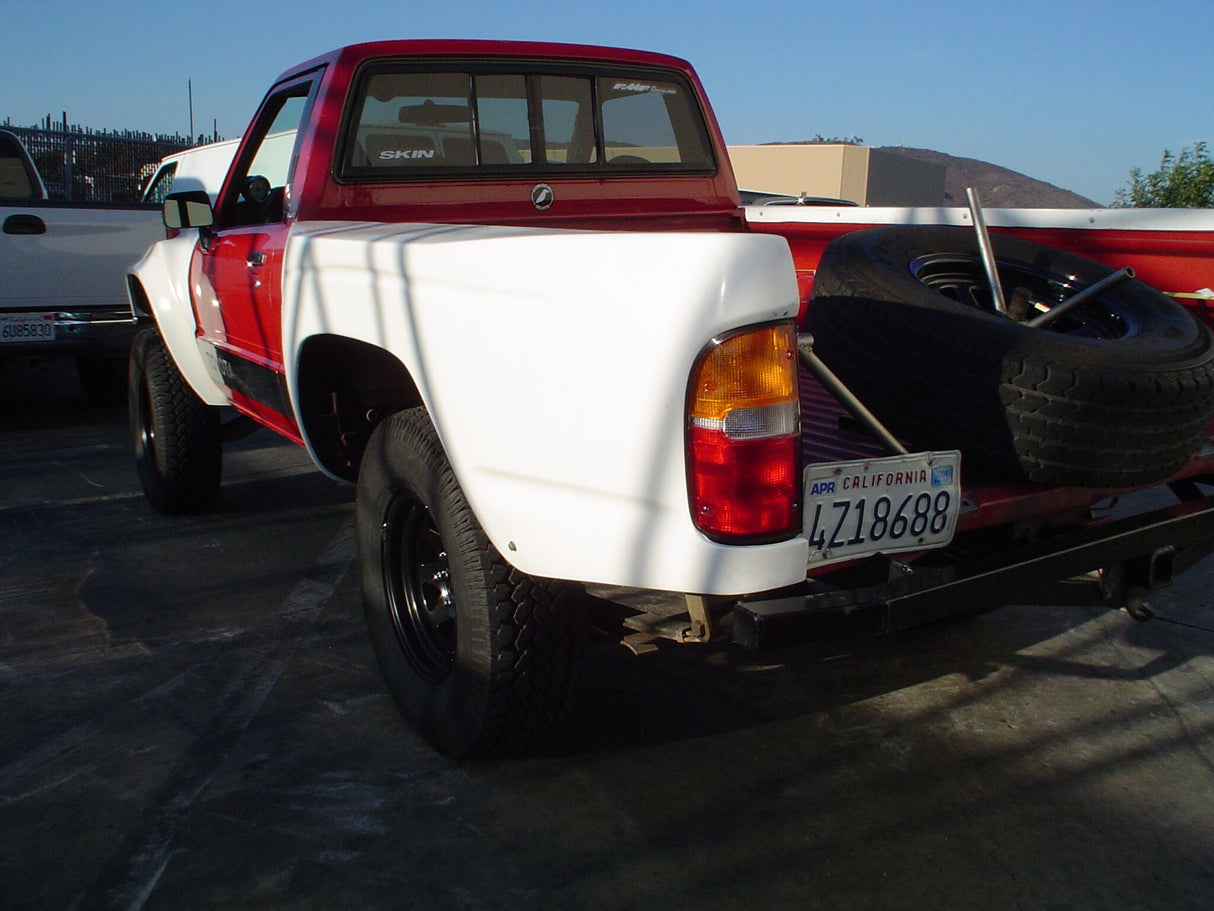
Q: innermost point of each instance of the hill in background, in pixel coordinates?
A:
(997, 187)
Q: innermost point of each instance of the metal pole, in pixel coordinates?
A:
(1109, 281)
(988, 252)
(68, 154)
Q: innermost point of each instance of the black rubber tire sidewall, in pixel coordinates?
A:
(518, 639)
(176, 435)
(1019, 401)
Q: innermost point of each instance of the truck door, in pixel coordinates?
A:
(236, 272)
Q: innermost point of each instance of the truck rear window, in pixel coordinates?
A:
(407, 122)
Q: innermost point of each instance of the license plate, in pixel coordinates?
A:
(891, 505)
(27, 327)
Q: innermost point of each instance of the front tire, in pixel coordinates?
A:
(178, 451)
(480, 658)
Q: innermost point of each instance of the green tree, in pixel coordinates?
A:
(1184, 181)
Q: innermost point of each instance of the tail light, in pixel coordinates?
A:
(744, 437)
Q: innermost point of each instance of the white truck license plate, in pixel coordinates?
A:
(889, 505)
(27, 327)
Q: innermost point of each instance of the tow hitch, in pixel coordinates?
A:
(1115, 564)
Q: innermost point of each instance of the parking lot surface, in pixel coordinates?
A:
(192, 717)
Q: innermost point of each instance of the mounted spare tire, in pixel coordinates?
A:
(1116, 393)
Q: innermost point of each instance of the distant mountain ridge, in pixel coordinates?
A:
(997, 187)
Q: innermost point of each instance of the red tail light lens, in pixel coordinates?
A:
(743, 436)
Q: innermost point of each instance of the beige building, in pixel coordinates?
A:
(857, 174)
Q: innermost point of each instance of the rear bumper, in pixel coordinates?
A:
(107, 331)
(1110, 563)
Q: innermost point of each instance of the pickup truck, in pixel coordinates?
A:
(199, 168)
(62, 273)
(509, 291)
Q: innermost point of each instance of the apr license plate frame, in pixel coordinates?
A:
(888, 505)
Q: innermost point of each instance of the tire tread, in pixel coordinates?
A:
(1015, 407)
(182, 471)
(516, 686)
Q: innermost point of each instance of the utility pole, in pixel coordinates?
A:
(190, 85)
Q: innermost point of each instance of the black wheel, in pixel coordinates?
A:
(480, 658)
(176, 434)
(1117, 393)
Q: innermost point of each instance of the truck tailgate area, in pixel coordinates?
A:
(830, 434)
(1023, 542)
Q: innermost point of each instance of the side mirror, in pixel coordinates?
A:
(188, 209)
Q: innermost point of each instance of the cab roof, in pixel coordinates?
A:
(353, 54)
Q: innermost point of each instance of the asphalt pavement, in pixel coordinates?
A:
(191, 717)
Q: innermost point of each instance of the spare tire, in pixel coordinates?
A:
(1117, 393)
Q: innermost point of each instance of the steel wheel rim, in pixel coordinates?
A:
(418, 587)
(962, 279)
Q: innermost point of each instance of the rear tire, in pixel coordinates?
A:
(480, 658)
(178, 452)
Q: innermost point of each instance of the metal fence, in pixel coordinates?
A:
(80, 164)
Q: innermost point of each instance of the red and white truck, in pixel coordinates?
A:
(508, 289)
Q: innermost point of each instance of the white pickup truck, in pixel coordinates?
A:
(62, 268)
(508, 289)
(199, 168)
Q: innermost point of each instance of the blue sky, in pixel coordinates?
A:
(1074, 93)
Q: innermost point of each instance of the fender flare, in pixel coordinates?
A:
(155, 290)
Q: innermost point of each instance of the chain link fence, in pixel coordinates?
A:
(79, 164)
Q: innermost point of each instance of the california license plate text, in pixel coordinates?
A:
(855, 509)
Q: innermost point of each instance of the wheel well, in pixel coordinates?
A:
(140, 305)
(346, 387)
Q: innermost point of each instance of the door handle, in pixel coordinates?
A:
(24, 224)
(256, 258)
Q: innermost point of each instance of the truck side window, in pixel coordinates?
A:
(161, 184)
(258, 192)
(15, 180)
